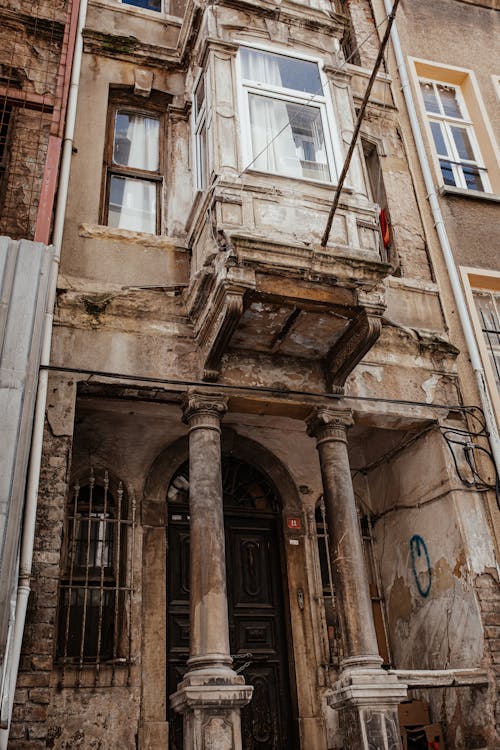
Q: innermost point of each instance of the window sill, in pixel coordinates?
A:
(327, 185)
(447, 190)
(103, 232)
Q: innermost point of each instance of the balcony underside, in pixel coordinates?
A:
(245, 305)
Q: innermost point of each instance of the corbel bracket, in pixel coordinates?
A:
(352, 346)
(228, 307)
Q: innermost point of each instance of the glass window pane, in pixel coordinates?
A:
(132, 204)
(487, 305)
(136, 141)
(279, 70)
(439, 142)
(472, 178)
(430, 100)
(448, 95)
(288, 138)
(199, 96)
(202, 157)
(447, 170)
(463, 144)
(148, 4)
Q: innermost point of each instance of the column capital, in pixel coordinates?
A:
(203, 406)
(329, 424)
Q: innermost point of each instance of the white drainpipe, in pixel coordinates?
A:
(28, 533)
(460, 301)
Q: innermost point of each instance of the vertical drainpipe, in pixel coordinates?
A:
(30, 508)
(468, 330)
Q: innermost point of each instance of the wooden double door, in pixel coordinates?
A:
(255, 586)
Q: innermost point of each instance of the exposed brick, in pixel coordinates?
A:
(42, 662)
(17, 731)
(21, 696)
(29, 713)
(37, 731)
(39, 695)
(492, 618)
(33, 679)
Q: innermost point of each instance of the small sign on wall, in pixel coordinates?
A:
(294, 523)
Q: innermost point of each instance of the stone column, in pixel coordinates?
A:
(365, 695)
(211, 694)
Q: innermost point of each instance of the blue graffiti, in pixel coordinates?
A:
(418, 548)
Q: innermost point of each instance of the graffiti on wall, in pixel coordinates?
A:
(421, 565)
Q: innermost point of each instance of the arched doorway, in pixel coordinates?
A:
(256, 604)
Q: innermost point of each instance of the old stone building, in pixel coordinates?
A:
(266, 509)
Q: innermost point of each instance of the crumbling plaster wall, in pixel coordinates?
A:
(432, 549)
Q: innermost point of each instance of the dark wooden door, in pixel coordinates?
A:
(255, 606)
(256, 622)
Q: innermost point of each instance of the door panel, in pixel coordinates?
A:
(256, 622)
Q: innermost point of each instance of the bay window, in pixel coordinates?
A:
(285, 122)
(133, 171)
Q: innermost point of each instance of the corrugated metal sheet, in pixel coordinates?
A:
(24, 278)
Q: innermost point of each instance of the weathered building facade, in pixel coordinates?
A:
(263, 517)
(36, 47)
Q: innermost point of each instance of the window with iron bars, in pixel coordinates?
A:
(328, 590)
(96, 584)
(488, 308)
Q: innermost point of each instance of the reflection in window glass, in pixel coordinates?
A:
(299, 149)
(448, 96)
(132, 204)
(430, 99)
(288, 122)
(147, 4)
(136, 141)
(279, 70)
(488, 308)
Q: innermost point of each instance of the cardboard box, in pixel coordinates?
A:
(434, 733)
(428, 737)
(413, 714)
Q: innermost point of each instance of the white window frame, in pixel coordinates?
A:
(447, 122)
(485, 281)
(320, 101)
(200, 145)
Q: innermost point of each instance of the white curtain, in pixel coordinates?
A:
(268, 117)
(299, 149)
(138, 205)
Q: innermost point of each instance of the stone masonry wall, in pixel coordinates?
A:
(29, 729)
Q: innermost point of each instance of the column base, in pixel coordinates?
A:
(367, 700)
(211, 706)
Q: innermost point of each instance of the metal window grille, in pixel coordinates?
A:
(329, 601)
(488, 307)
(32, 42)
(96, 586)
(328, 591)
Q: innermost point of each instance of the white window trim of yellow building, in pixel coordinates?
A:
(483, 281)
(321, 101)
(496, 84)
(476, 119)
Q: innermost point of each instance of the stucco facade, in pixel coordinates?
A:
(234, 382)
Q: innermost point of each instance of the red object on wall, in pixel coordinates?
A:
(384, 228)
